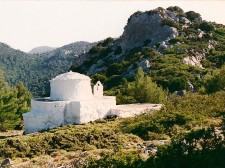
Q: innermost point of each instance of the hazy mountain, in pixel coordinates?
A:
(41, 50)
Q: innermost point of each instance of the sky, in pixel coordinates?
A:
(28, 24)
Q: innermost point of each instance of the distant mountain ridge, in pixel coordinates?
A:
(41, 50)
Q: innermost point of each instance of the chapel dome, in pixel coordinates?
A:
(71, 76)
(71, 86)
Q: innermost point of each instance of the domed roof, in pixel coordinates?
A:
(71, 76)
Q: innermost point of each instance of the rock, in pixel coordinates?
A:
(180, 92)
(201, 33)
(184, 20)
(151, 150)
(144, 64)
(211, 44)
(194, 60)
(163, 46)
(6, 162)
(190, 86)
(146, 26)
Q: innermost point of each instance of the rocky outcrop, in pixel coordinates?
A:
(144, 27)
(193, 60)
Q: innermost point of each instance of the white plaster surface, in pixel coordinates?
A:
(91, 110)
(71, 86)
(131, 110)
(98, 89)
(46, 114)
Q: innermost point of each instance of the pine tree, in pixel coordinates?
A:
(8, 105)
(14, 101)
(142, 90)
(146, 91)
(23, 99)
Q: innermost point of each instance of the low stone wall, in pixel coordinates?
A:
(131, 110)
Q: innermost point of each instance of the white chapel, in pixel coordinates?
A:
(73, 101)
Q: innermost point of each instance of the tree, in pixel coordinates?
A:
(143, 90)
(8, 104)
(14, 101)
(23, 99)
(216, 81)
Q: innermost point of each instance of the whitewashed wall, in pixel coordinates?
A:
(132, 110)
(50, 114)
(44, 115)
(91, 110)
(79, 89)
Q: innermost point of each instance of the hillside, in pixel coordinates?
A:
(41, 50)
(148, 140)
(176, 49)
(36, 70)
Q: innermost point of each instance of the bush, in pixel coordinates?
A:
(116, 159)
(216, 81)
(98, 77)
(170, 23)
(179, 114)
(205, 26)
(176, 9)
(192, 16)
(201, 148)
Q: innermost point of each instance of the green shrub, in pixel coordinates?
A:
(192, 16)
(185, 113)
(175, 9)
(205, 26)
(170, 23)
(216, 81)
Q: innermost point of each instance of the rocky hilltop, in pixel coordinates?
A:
(146, 27)
(176, 48)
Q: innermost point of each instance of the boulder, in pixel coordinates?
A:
(6, 162)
